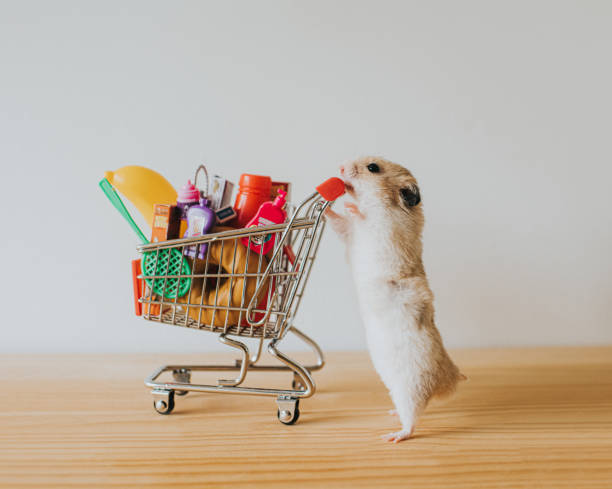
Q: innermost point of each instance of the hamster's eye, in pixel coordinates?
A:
(373, 168)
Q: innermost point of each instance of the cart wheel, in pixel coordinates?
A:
(163, 401)
(289, 414)
(182, 375)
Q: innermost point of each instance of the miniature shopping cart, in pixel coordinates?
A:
(238, 294)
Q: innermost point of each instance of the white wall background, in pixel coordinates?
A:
(501, 109)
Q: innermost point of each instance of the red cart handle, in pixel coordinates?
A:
(331, 189)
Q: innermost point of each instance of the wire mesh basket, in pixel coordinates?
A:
(234, 290)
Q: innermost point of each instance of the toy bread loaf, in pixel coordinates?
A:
(225, 257)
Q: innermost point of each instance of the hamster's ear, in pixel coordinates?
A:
(410, 196)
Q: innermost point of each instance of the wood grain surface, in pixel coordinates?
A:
(526, 418)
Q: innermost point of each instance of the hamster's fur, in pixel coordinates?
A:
(382, 231)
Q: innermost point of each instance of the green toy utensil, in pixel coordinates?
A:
(160, 263)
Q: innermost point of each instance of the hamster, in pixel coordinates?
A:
(382, 231)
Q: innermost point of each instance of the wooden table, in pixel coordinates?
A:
(526, 418)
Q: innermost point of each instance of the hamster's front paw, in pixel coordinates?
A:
(353, 209)
(398, 436)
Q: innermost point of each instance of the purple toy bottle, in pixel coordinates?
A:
(200, 220)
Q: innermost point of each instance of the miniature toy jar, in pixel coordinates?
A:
(253, 190)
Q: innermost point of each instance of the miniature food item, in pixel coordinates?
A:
(284, 186)
(225, 214)
(253, 191)
(268, 213)
(221, 192)
(230, 257)
(143, 187)
(166, 222)
(200, 220)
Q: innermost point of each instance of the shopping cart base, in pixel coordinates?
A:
(287, 399)
(182, 375)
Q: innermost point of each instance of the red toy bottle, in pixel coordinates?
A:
(268, 213)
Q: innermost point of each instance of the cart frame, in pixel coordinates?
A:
(282, 280)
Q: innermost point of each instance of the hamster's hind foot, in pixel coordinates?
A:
(393, 412)
(398, 436)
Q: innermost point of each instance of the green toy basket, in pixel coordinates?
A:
(156, 265)
(162, 263)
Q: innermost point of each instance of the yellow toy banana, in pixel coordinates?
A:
(143, 187)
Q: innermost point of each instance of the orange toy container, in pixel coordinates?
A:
(253, 191)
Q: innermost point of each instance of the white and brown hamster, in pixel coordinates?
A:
(382, 231)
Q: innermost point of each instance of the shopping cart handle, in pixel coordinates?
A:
(331, 189)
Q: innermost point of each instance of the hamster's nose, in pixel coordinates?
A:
(342, 170)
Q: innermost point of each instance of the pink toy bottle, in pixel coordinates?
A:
(268, 213)
(188, 195)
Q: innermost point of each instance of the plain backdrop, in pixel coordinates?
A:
(502, 110)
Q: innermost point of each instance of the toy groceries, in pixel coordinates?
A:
(137, 285)
(253, 190)
(143, 187)
(284, 186)
(268, 213)
(139, 291)
(167, 271)
(225, 214)
(220, 192)
(164, 262)
(231, 258)
(188, 195)
(200, 220)
(109, 191)
(166, 222)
